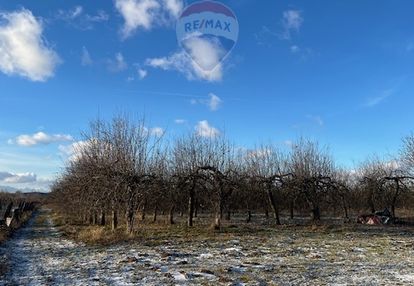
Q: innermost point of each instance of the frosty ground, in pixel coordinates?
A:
(39, 255)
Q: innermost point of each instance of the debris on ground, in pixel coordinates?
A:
(378, 218)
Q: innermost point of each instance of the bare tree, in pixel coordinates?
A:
(312, 169)
(269, 167)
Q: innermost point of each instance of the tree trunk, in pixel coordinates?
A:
(394, 199)
(144, 207)
(217, 221)
(316, 213)
(114, 219)
(191, 207)
(219, 214)
(85, 217)
(90, 218)
(130, 221)
(155, 214)
(102, 219)
(196, 209)
(273, 205)
(171, 215)
(345, 208)
(228, 215)
(249, 216)
(291, 208)
(95, 217)
(371, 202)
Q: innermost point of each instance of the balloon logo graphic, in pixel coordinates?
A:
(207, 31)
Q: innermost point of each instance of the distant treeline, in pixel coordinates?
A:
(120, 170)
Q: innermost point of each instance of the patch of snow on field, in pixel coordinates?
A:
(39, 255)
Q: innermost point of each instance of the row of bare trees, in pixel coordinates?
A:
(121, 171)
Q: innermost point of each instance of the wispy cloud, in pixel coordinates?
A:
(294, 49)
(292, 21)
(373, 101)
(262, 36)
(77, 18)
(213, 102)
(180, 121)
(86, 59)
(117, 64)
(142, 73)
(316, 119)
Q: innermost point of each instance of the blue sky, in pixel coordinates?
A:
(340, 72)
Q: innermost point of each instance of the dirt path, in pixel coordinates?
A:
(39, 255)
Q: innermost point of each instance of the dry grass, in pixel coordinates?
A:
(157, 233)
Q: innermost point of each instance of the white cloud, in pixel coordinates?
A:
(142, 73)
(67, 150)
(157, 131)
(74, 150)
(137, 14)
(258, 153)
(204, 129)
(174, 7)
(118, 64)
(207, 54)
(294, 49)
(180, 121)
(39, 138)
(12, 178)
(202, 62)
(86, 59)
(292, 21)
(23, 50)
(39, 185)
(144, 14)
